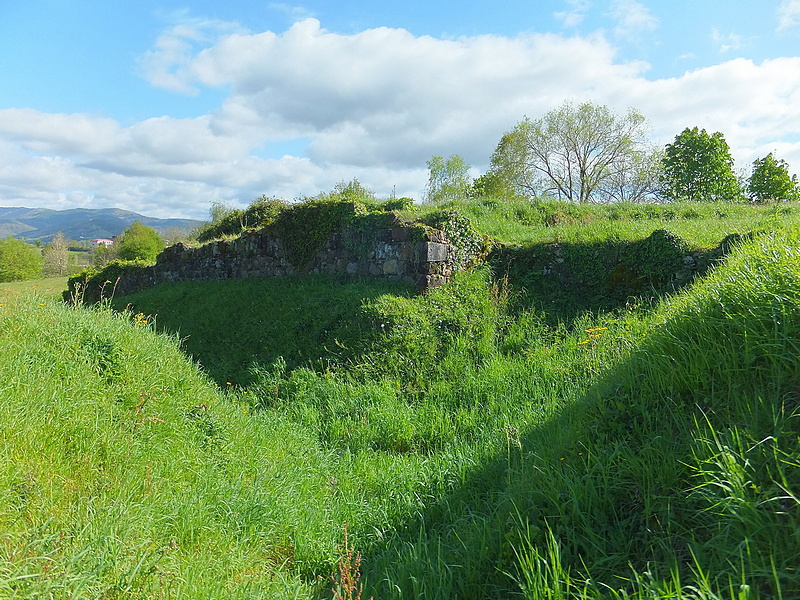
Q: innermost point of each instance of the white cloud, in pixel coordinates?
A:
(788, 14)
(576, 14)
(633, 19)
(726, 43)
(175, 48)
(374, 105)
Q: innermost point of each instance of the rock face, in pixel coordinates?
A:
(421, 256)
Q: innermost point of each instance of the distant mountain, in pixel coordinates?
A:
(78, 223)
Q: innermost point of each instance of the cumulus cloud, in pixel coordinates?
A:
(374, 105)
(788, 14)
(174, 50)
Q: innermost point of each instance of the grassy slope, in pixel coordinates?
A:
(474, 449)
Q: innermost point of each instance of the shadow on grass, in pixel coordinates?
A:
(233, 325)
(566, 280)
(678, 466)
(618, 480)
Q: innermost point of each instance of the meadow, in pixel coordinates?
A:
(518, 433)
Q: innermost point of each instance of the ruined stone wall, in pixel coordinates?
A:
(421, 256)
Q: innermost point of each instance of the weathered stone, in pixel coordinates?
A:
(390, 267)
(260, 254)
(435, 252)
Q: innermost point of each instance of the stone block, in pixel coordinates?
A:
(435, 252)
(390, 267)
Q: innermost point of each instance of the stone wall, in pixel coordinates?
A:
(419, 255)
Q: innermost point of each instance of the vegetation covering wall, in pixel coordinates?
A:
(310, 238)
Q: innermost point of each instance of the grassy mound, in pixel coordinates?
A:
(125, 474)
(471, 445)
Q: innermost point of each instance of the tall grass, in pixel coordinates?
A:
(467, 445)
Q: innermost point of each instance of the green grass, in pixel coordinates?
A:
(51, 287)
(474, 441)
(703, 225)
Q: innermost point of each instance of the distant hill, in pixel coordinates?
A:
(78, 223)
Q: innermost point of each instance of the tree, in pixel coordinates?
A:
(639, 177)
(509, 174)
(573, 152)
(698, 166)
(352, 191)
(139, 242)
(770, 180)
(56, 256)
(447, 179)
(19, 261)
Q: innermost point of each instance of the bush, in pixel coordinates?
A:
(93, 285)
(260, 213)
(19, 261)
(139, 242)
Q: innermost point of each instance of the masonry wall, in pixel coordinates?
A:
(423, 257)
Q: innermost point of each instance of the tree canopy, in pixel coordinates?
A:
(448, 179)
(770, 180)
(576, 153)
(139, 242)
(698, 166)
(18, 260)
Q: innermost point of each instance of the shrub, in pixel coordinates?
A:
(19, 261)
(139, 242)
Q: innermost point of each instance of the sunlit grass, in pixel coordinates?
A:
(50, 288)
(470, 446)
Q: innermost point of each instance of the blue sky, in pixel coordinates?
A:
(163, 107)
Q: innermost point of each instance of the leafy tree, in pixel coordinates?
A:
(447, 179)
(698, 166)
(770, 180)
(638, 178)
(354, 191)
(19, 261)
(56, 256)
(508, 174)
(573, 152)
(139, 242)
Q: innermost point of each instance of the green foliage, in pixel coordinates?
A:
(770, 180)
(94, 285)
(470, 247)
(304, 228)
(698, 167)
(230, 221)
(447, 179)
(474, 447)
(19, 261)
(139, 242)
(578, 154)
(352, 191)
(509, 173)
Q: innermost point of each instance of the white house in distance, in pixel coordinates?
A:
(102, 242)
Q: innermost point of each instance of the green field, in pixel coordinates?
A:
(515, 434)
